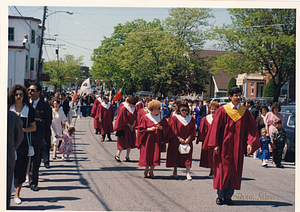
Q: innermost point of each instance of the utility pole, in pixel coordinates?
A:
(40, 46)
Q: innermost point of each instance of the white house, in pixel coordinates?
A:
(23, 49)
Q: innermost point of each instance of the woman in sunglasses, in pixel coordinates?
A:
(183, 126)
(152, 129)
(19, 103)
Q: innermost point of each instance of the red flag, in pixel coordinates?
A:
(75, 95)
(119, 94)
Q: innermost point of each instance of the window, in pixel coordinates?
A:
(252, 88)
(32, 36)
(11, 33)
(31, 63)
(26, 62)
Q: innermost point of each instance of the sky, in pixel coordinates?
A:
(82, 32)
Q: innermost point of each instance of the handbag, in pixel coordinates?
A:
(120, 133)
(184, 148)
(30, 147)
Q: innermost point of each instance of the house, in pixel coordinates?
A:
(23, 49)
(252, 84)
(217, 86)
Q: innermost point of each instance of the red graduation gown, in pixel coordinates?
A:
(139, 106)
(232, 138)
(95, 108)
(125, 117)
(107, 116)
(141, 112)
(206, 158)
(174, 158)
(150, 147)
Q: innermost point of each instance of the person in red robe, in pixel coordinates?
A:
(139, 105)
(152, 129)
(206, 158)
(126, 120)
(95, 108)
(140, 113)
(184, 128)
(232, 134)
(172, 141)
(105, 115)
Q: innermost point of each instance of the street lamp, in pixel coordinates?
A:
(69, 12)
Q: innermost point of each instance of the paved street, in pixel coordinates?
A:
(94, 181)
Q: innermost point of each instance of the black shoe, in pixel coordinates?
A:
(109, 139)
(34, 188)
(96, 132)
(219, 201)
(228, 202)
(127, 159)
(117, 158)
(279, 166)
(47, 166)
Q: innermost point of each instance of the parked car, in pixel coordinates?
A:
(288, 109)
(221, 100)
(289, 126)
(144, 94)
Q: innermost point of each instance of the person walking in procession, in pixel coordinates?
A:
(233, 133)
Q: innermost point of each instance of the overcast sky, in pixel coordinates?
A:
(80, 33)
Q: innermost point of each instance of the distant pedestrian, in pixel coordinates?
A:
(66, 147)
(105, 115)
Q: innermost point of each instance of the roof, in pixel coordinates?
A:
(26, 18)
(221, 78)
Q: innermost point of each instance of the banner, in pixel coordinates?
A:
(85, 87)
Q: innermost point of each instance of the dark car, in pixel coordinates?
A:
(289, 126)
(288, 109)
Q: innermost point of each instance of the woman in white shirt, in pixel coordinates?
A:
(58, 123)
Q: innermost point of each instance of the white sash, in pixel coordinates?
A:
(105, 105)
(184, 120)
(100, 100)
(154, 119)
(209, 118)
(130, 109)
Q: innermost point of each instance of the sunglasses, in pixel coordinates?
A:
(184, 110)
(19, 94)
(30, 90)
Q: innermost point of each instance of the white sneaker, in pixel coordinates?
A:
(68, 158)
(18, 201)
(188, 177)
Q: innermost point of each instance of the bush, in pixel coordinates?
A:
(269, 89)
(231, 83)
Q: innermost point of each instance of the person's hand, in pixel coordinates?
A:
(217, 150)
(100, 120)
(56, 136)
(159, 127)
(186, 141)
(261, 151)
(152, 128)
(249, 149)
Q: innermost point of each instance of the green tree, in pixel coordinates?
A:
(158, 58)
(269, 89)
(260, 40)
(69, 66)
(231, 83)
